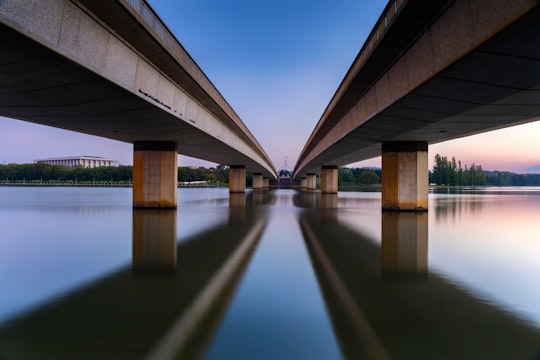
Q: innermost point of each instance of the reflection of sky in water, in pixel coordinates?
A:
(278, 312)
(56, 240)
(200, 209)
(490, 244)
(61, 238)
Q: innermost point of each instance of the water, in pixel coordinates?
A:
(269, 275)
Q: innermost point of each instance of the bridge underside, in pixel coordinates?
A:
(495, 86)
(41, 86)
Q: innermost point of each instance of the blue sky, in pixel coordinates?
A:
(277, 63)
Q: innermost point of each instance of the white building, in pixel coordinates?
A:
(84, 161)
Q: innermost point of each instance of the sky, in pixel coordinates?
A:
(278, 64)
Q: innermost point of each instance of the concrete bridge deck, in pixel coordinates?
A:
(432, 71)
(112, 69)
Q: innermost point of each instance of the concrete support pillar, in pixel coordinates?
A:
(303, 182)
(405, 176)
(329, 179)
(237, 179)
(258, 182)
(266, 183)
(155, 174)
(311, 181)
(404, 247)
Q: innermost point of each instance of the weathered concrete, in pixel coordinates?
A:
(266, 183)
(311, 181)
(303, 182)
(258, 182)
(329, 179)
(405, 176)
(404, 246)
(155, 174)
(237, 179)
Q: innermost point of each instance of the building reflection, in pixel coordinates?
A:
(137, 312)
(384, 302)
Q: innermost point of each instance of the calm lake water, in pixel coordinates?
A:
(278, 274)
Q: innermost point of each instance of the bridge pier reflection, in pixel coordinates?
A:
(129, 315)
(404, 243)
(380, 311)
(154, 240)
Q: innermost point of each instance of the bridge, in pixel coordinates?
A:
(430, 71)
(113, 69)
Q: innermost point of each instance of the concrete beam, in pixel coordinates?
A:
(405, 176)
(329, 179)
(155, 174)
(237, 179)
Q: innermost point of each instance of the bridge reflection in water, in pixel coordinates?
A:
(167, 305)
(382, 300)
(385, 303)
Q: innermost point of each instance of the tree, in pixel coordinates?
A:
(345, 176)
(451, 173)
(369, 177)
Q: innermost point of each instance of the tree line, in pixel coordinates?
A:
(445, 172)
(451, 173)
(40, 172)
(505, 178)
(358, 176)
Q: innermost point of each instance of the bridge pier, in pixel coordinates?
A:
(266, 183)
(237, 179)
(405, 176)
(311, 181)
(258, 181)
(303, 182)
(329, 179)
(155, 174)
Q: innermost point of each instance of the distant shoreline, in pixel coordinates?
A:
(97, 184)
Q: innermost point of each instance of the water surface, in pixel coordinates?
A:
(277, 274)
